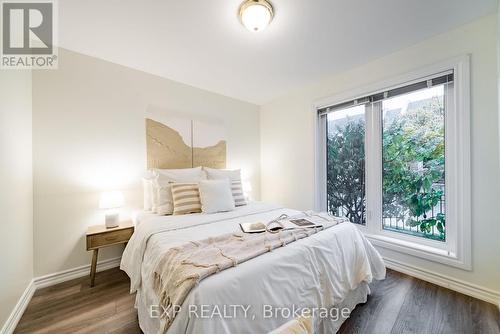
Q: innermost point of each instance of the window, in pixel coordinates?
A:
(396, 163)
(346, 164)
(413, 158)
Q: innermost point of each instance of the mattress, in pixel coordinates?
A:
(326, 271)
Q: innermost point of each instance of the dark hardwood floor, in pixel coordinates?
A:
(75, 307)
(403, 304)
(398, 304)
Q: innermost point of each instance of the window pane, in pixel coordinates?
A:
(413, 163)
(346, 163)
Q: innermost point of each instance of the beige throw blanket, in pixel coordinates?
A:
(181, 268)
(301, 325)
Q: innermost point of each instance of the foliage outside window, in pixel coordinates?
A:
(413, 168)
(346, 169)
(413, 161)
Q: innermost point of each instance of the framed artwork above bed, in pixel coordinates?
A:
(184, 143)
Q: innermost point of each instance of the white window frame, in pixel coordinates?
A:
(456, 250)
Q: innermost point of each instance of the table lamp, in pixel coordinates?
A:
(110, 201)
(247, 189)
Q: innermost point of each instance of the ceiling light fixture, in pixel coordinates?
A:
(256, 14)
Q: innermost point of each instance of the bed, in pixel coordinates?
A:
(329, 270)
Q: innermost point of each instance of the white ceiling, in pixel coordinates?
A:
(202, 43)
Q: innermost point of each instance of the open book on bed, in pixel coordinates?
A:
(277, 225)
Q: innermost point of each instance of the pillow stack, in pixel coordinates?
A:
(234, 176)
(157, 187)
(192, 190)
(168, 177)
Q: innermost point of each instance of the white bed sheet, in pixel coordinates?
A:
(321, 270)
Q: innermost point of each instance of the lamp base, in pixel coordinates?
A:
(112, 220)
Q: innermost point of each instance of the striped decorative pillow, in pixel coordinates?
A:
(238, 195)
(186, 198)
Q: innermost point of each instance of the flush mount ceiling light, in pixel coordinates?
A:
(256, 14)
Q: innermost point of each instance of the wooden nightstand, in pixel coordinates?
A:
(99, 236)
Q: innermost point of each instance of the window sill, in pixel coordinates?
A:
(422, 251)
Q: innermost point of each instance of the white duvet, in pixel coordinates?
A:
(318, 271)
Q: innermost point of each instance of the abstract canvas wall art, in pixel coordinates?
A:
(185, 143)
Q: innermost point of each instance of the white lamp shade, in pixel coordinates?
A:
(111, 200)
(247, 187)
(256, 17)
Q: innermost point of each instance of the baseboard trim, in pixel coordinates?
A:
(49, 280)
(466, 288)
(18, 310)
(67, 275)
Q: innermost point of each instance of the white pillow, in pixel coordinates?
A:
(216, 196)
(165, 202)
(162, 193)
(219, 174)
(234, 176)
(181, 175)
(147, 184)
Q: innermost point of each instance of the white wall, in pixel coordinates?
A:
(16, 189)
(89, 135)
(498, 101)
(287, 138)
